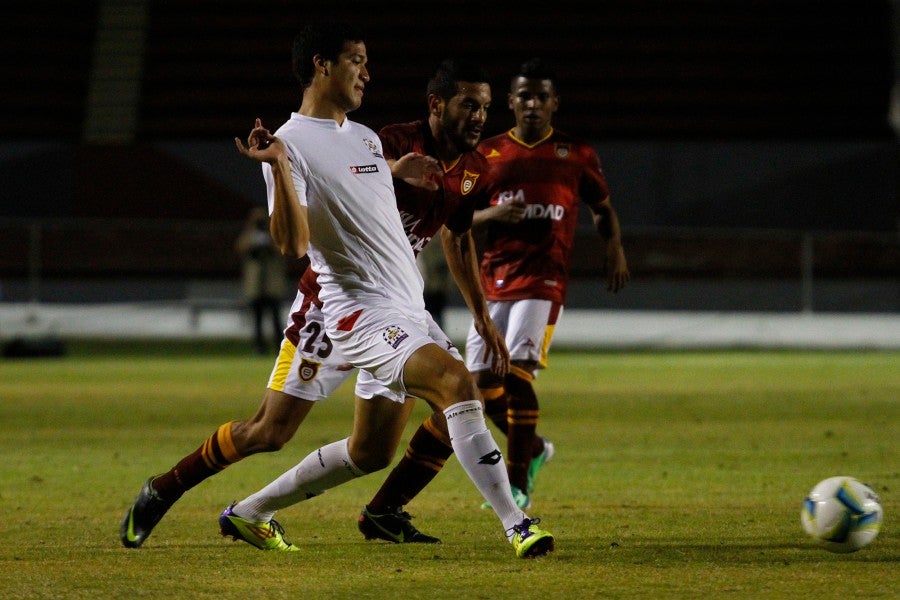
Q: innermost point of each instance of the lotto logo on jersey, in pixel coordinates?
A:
(308, 370)
(394, 336)
(357, 169)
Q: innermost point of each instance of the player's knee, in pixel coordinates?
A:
(370, 460)
(457, 384)
(261, 437)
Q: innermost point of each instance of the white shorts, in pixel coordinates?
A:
(526, 325)
(379, 337)
(368, 387)
(313, 368)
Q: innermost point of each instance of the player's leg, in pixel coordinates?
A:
(425, 456)
(277, 419)
(527, 327)
(396, 348)
(529, 334)
(433, 374)
(492, 391)
(298, 378)
(377, 426)
(428, 451)
(383, 517)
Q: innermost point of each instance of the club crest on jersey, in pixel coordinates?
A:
(308, 370)
(562, 150)
(372, 146)
(468, 182)
(394, 336)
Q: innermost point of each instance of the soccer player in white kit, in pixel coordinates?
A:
(331, 197)
(309, 367)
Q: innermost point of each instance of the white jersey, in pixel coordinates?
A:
(357, 242)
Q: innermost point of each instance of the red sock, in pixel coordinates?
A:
(428, 450)
(522, 417)
(216, 453)
(496, 402)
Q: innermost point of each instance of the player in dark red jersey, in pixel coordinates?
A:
(541, 176)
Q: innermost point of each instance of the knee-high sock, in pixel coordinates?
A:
(216, 453)
(496, 402)
(479, 455)
(425, 456)
(322, 469)
(523, 418)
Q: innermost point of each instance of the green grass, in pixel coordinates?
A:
(677, 475)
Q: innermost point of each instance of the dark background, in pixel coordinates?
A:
(728, 130)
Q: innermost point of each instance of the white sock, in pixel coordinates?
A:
(322, 469)
(480, 456)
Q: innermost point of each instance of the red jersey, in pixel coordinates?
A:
(530, 259)
(465, 185)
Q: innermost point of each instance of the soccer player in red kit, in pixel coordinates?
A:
(541, 176)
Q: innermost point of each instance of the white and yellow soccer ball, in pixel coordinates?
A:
(842, 514)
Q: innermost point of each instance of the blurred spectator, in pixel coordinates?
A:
(264, 277)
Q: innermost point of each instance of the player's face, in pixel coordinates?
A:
(465, 114)
(533, 102)
(349, 76)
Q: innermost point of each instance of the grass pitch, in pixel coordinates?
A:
(677, 475)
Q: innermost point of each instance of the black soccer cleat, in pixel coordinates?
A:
(393, 526)
(148, 510)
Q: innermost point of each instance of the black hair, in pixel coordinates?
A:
(445, 80)
(536, 68)
(327, 39)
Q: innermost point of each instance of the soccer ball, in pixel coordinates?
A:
(841, 514)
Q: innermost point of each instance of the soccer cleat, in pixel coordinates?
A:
(537, 462)
(265, 536)
(530, 541)
(522, 499)
(393, 526)
(148, 509)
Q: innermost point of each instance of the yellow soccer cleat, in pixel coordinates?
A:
(530, 541)
(265, 536)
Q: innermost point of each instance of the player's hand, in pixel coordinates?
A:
(617, 268)
(419, 170)
(261, 145)
(511, 211)
(494, 347)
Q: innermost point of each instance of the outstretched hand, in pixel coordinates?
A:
(419, 170)
(261, 144)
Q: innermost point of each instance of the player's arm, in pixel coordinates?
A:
(510, 211)
(459, 250)
(606, 221)
(289, 223)
(416, 169)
